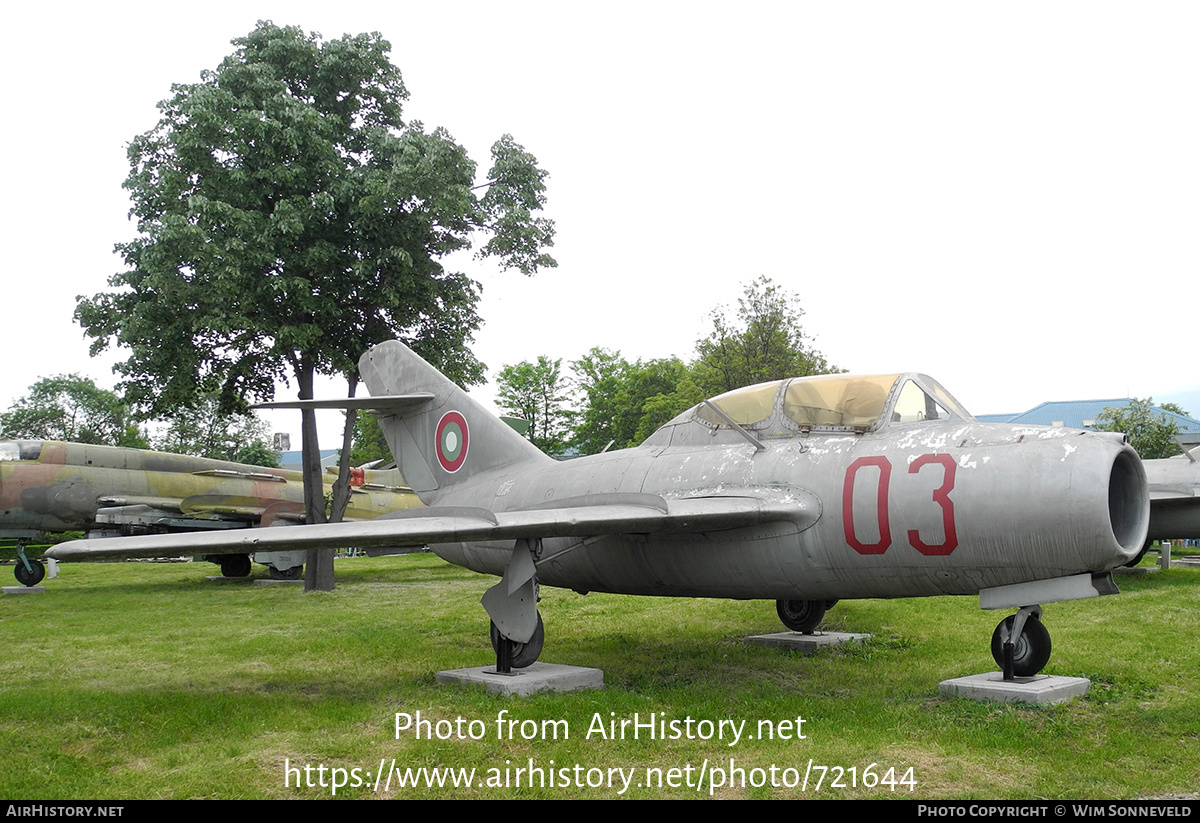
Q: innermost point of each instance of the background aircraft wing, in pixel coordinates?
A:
(592, 515)
(1177, 492)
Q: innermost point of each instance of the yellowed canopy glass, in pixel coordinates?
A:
(826, 400)
(837, 399)
(746, 406)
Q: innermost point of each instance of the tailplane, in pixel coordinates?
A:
(441, 436)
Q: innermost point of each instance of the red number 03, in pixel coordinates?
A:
(941, 496)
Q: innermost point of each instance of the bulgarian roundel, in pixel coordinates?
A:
(452, 440)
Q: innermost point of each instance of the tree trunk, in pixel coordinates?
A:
(318, 566)
(341, 486)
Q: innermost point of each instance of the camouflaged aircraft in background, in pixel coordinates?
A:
(802, 491)
(51, 486)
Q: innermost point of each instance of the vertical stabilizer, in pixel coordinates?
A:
(445, 440)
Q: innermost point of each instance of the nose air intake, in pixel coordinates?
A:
(1128, 501)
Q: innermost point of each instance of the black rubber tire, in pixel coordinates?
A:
(1140, 555)
(801, 615)
(1031, 651)
(294, 573)
(31, 576)
(235, 565)
(524, 655)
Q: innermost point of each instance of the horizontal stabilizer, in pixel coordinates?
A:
(396, 403)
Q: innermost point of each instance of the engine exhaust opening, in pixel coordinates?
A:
(1128, 501)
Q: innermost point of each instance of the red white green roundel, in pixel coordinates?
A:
(452, 439)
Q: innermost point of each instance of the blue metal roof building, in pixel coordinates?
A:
(1082, 414)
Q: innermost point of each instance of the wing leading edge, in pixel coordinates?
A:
(591, 516)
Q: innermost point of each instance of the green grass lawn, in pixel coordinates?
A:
(143, 680)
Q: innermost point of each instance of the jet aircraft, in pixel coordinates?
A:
(1174, 495)
(803, 491)
(52, 486)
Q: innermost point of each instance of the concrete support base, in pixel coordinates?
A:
(23, 589)
(806, 643)
(1042, 688)
(216, 578)
(270, 581)
(540, 677)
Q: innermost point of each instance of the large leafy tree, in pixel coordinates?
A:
(597, 378)
(202, 430)
(624, 402)
(764, 340)
(538, 394)
(71, 407)
(370, 446)
(289, 217)
(665, 387)
(1151, 433)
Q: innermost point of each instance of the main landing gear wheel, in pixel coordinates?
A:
(524, 655)
(235, 565)
(802, 615)
(1139, 557)
(32, 575)
(294, 573)
(1031, 651)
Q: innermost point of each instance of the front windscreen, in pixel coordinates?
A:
(914, 404)
(745, 406)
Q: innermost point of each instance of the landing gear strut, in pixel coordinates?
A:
(1021, 644)
(516, 630)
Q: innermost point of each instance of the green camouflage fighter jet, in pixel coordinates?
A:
(50, 486)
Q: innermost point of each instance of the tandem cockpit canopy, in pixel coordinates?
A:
(850, 403)
(20, 449)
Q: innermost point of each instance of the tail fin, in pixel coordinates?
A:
(442, 440)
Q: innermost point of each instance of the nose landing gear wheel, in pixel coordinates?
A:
(1031, 651)
(30, 576)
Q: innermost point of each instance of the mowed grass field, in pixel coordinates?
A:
(145, 680)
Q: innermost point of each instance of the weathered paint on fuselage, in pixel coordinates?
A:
(916, 509)
(64, 486)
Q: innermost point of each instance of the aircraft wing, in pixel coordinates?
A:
(588, 516)
(1161, 493)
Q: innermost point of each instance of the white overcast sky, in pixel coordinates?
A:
(1002, 195)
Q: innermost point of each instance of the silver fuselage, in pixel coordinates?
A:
(944, 507)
